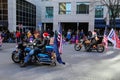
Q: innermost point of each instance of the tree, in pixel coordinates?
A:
(113, 7)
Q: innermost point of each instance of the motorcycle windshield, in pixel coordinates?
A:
(43, 55)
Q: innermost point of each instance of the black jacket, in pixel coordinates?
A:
(44, 43)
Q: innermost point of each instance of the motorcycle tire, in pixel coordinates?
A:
(15, 57)
(87, 48)
(77, 47)
(100, 49)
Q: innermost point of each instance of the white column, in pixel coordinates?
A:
(44, 26)
(91, 16)
(107, 18)
(56, 15)
(12, 15)
(55, 25)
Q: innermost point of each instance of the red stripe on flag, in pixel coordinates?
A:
(59, 38)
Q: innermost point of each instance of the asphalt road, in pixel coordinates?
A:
(80, 65)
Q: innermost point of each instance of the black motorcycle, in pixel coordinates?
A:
(99, 47)
(19, 53)
(95, 45)
(82, 43)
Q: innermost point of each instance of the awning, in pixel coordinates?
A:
(100, 23)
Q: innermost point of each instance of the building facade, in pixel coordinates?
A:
(73, 14)
(3, 14)
(46, 14)
(77, 14)
(18, 15)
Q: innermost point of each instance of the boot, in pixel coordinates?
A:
(23, 64)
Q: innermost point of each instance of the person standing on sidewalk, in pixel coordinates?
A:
(18, 36)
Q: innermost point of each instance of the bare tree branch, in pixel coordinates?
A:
(114, 8)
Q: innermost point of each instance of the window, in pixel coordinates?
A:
(49, 12)
(5, 12)
(115, 11)
(4, 6)
(5, 17)
(24, 12)
(4, 1)
(1, 17)
(99, 11)
(82, 8)
(65, 8)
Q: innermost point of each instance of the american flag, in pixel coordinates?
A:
(56, 48)
(117, 42)
(112, 37)
(105, 39)
(59, 38)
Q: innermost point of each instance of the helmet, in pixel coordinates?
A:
(45, 34)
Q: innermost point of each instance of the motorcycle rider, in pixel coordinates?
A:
(93, 39)
(39, 47)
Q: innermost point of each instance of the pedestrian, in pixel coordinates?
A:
(81, 34)
(68, 37)
(18, 36)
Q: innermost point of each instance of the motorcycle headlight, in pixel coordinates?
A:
(34, 43)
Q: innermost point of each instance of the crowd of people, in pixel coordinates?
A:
(13, 37)
(69, 36)
(75, 36)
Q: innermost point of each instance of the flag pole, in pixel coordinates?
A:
(105, 40)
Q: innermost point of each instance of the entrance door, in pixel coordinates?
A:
(67, 26)
(84, 26)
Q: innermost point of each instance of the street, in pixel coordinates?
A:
(80, 65)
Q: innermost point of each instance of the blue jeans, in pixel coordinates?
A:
(27, 58)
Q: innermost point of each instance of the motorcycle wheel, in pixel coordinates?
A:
(77, 47)
(15, 57)
(100, 49)
(87, 48)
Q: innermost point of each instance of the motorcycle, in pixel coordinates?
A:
(82, 43)
(48, 57)
(86, 43)
(19, 53)
(97, 46)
